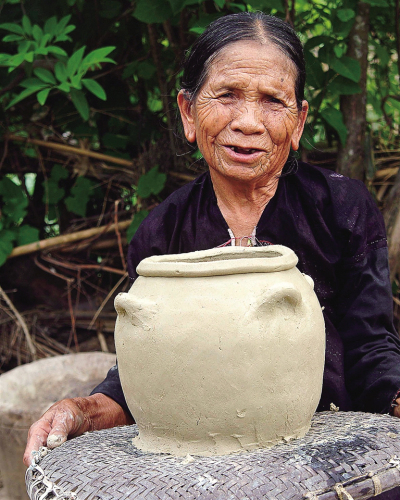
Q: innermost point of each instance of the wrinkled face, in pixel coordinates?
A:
(245, 117)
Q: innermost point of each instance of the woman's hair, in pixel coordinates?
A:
(236, 27)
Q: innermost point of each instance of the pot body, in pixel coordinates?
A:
(220, 351)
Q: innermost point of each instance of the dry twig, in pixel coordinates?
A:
(21, 321)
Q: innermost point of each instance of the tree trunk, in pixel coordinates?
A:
(351, 157)
(391, 215)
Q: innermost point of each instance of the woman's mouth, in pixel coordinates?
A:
(244, 151)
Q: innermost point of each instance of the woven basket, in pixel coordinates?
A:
(344, 456)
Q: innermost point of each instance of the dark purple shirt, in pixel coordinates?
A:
(338, 234)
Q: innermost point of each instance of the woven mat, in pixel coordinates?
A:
(344, 456)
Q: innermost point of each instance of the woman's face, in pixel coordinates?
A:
(245, 117)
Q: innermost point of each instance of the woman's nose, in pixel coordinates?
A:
(248, 119)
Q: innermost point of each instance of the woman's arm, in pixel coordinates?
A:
(73, 417)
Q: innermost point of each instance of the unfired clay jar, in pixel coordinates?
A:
(220, 350)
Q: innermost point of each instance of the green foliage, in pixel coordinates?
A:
(35, 44)
(151, 183)
(55, 192)
(14, 205)
(61, 84)
(79, 197)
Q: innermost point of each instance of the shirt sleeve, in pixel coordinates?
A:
(365, 321)
(111, 387)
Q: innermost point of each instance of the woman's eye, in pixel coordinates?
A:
(227, 95)
(273, 100)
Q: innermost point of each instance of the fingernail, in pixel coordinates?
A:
(55, 440)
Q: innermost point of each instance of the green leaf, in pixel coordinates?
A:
(80, 194)
(76, 82)
(345, 14)
(348, 67)
(9, 235)
(23, 47)
(315, 74)
(151, 183)
(27, 234)
(382, 53)
(13, 38)
(37, 33)
(56, 50)
(220, 3)
(95, 88)
(14, 200)
(42, 51)
(60, 71)
(146, 69)
(394, 102)
(58, 172)
(5, 248)
(45, 38)
(33, 83)
(42, 96)
(45, 75)
(80, 103)
(343, 86)
(97, 56)
(177, 5)
(14, 28)
(334, 118)
(138, 218)
(50, 26)
(198, 30)
(62, 25)
(156, 11)
(53, 193)
(29, 56)
(25, 93)
(16, 60)
(74, 61)
(64, 87)
(68, 29)
(27, 25)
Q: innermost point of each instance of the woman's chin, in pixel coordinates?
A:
(244, 172)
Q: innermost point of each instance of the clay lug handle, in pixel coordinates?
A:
(284, 294)
(121, 303)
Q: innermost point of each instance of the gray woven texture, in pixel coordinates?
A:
(341, 448)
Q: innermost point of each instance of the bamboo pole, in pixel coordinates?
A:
(64, 148)
(67, 238)
(386, 172)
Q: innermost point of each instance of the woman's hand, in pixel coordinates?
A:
(73, 417)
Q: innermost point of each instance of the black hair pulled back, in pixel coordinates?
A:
(234, 28)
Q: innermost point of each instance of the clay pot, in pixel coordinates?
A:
(221, 350)
(26, 392)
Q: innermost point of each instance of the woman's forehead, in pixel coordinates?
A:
(240, 62)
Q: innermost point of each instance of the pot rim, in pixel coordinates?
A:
(219, 262)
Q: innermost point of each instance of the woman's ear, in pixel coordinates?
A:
(300, 126)
(186, 110)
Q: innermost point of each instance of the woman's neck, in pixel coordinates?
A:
(242, 203)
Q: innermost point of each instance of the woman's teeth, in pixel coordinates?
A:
(243, 151)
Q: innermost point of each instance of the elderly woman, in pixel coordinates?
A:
(242, 102)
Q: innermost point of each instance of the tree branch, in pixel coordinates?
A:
(21, 321)
(65, 149)
(66, 238)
